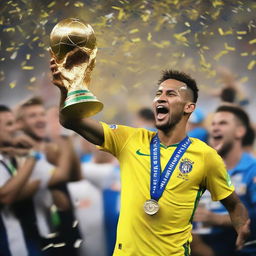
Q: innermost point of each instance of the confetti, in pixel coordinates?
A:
(251, 65)
(135, 39)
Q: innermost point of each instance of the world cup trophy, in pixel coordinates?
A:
(73, 46)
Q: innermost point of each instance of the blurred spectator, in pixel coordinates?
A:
(55, 167)
(16, 238)
(228, 130)
(231, 90)
(145, 119)
(196, 127)
(97, 200)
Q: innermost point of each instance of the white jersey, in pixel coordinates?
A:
(10, 228)
(43, 201)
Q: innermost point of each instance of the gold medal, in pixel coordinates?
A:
(151, 207)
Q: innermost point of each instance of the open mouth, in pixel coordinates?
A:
(161, 111)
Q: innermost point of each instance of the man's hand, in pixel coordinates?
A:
(57, 77)
(242, 234)
(23, 141)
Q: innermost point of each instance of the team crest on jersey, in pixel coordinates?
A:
(185, 167)
(113, 126)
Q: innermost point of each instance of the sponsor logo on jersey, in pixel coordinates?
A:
(113, 126)
(140, 153)
(185, 168)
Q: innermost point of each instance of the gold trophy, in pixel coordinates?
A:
(73, 45)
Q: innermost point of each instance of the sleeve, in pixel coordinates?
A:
(252, 185)
(116, 137)
(217, 178)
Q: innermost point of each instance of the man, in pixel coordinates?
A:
(54, 170)
(155, 219)
(16, 189)
(229, 133)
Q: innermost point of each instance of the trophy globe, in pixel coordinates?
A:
(73, 46)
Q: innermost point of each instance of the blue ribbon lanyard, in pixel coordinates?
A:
(159, 181)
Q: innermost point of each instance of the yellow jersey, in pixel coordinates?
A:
(169, 231)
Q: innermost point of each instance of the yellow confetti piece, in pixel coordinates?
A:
(187, 24)
(253, 41)
(222, 33)
(181, 36)
(244, 54)
(78, 4)
(133, 31)
(32, 79)
(28, 56)
(204, 63)
(162, 44)
(35, 38)
(149, 37)
(243, 79)
(51, 4)
(251, 65)
(219, 55)
(205, 47)
(44, 14)
(217, 3)
(136, 40)
(12, 29)
(239, 37)
(27, 67)
(10, 49)
(241, 32)
(229, 48)
(121, 12)
(13, 84)
(145, 16)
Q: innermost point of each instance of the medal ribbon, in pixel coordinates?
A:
(159, 181)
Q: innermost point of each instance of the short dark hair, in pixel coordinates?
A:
(249, 137)
(228, 95)
(146, 114)
(243, 117)
(237, 111)
(32, 102)
(4, 108)
(183, 77)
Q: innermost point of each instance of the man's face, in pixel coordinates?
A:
(169, 103)
(225, 130)
(7, 127)
(33, 121)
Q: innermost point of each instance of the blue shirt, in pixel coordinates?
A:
(199, 133)
(243, 177)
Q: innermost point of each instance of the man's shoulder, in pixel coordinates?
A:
(201, 145)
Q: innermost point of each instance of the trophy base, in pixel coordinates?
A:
(81, 103)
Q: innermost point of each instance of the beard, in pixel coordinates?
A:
(225, 149)
(171, 123)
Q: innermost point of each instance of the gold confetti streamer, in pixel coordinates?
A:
(251, 65)
(252, 41)
(27, 67)
(229, 48)
(13, 84)
(220, 54)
